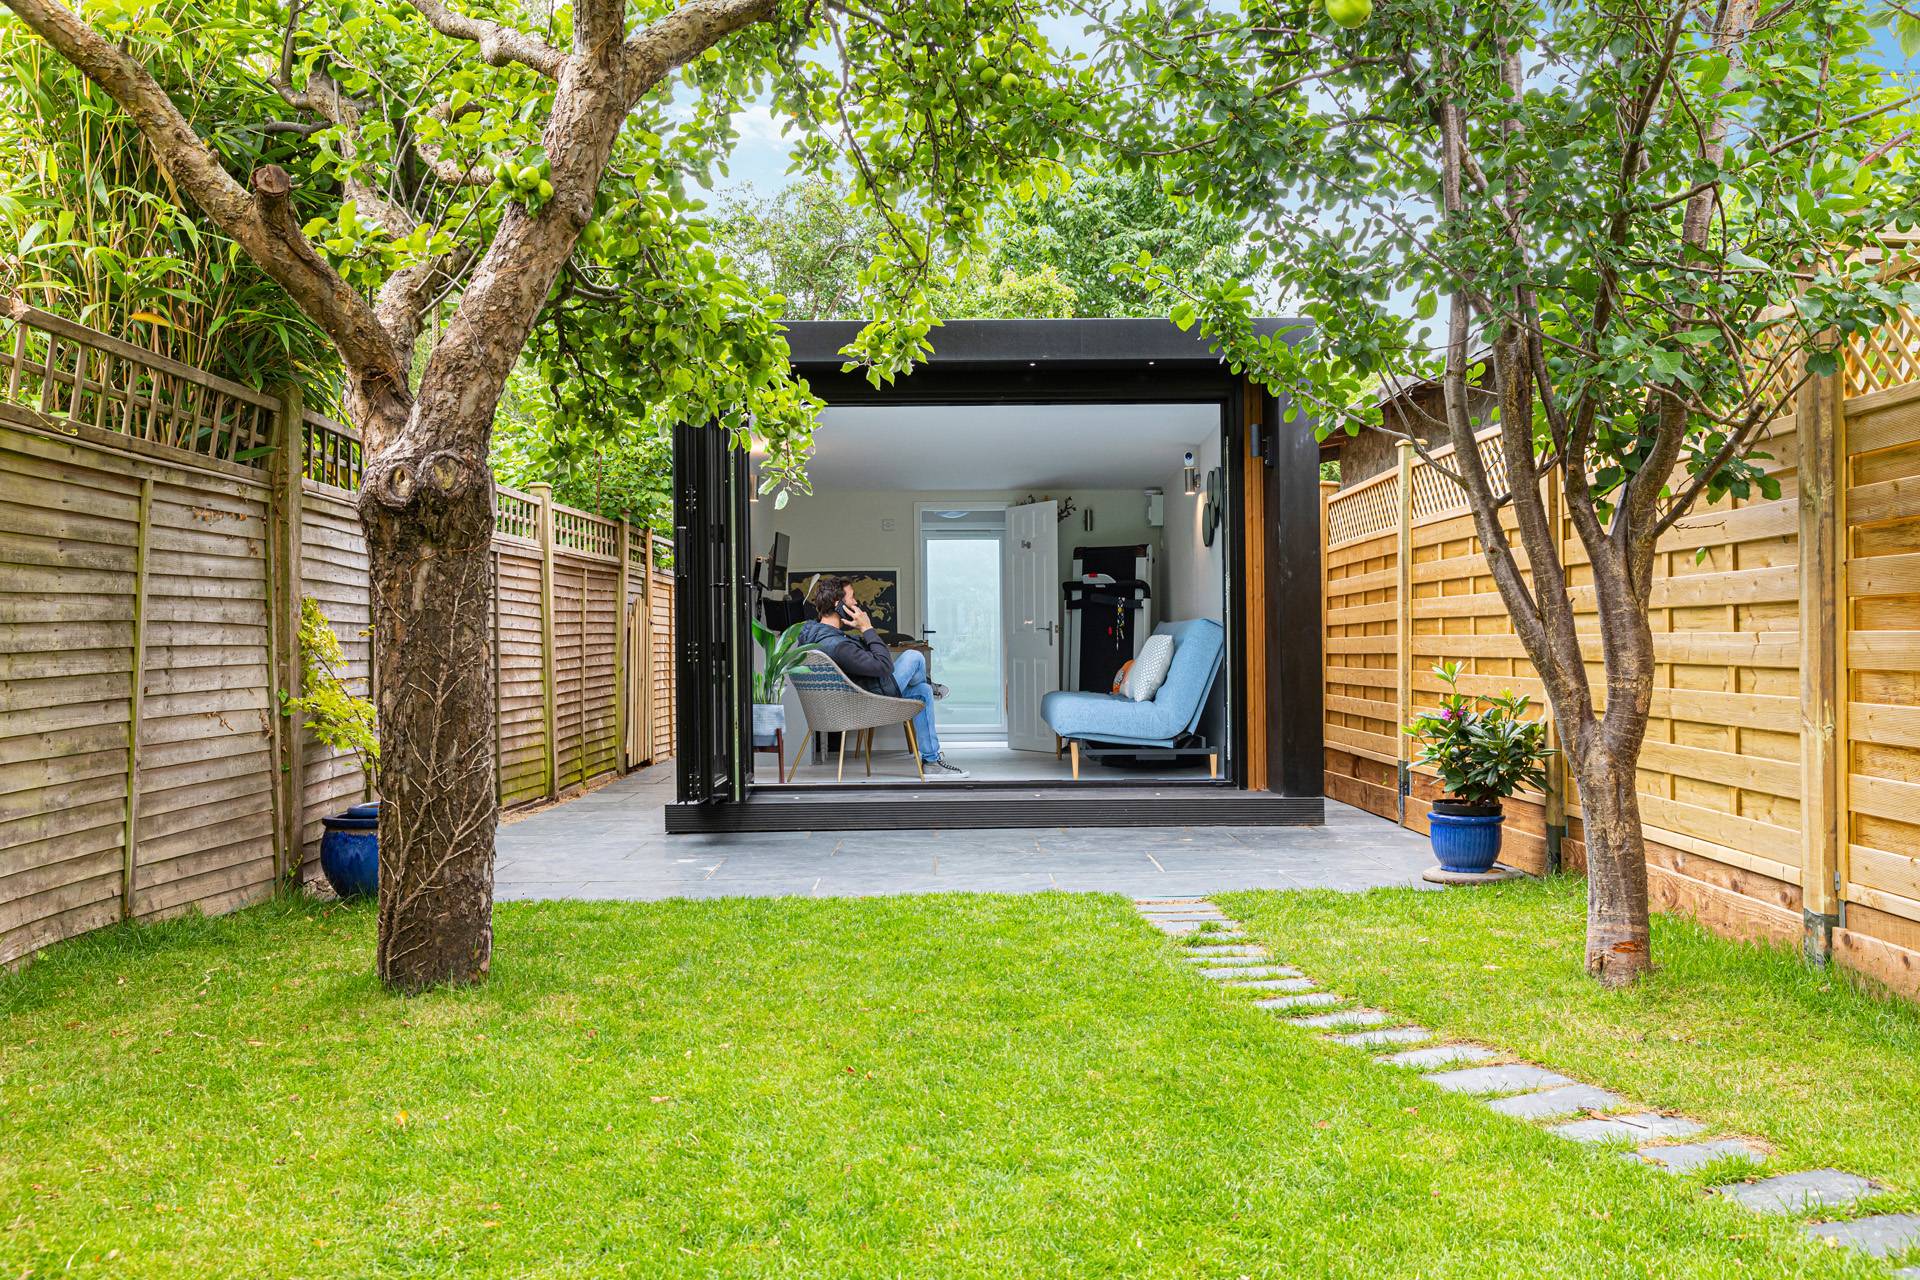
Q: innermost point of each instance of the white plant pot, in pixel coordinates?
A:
(769, 718)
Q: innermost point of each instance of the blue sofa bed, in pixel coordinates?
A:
(1109, 724)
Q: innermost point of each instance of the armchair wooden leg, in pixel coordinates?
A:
(780, 754)
(840, 773)
(869, 745)
(1076, 761)
(913, 745)
(1059, 746)
(1213, 764)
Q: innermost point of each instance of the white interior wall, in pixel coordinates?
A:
(875, 530)
(1196, 573)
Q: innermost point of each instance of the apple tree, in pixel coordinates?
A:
(1660, 218)
(476, 162)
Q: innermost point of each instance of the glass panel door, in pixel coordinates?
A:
(963, 622)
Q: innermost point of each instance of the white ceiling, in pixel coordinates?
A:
(1005, 446)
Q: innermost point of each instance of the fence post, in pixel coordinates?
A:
(622, 690)
(1820, 434)
(1556, 806)
(1403, 635)
(284, 587)
(136, 694)
(543, 494)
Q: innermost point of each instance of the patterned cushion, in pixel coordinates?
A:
(1150, 668)
(1120, 677)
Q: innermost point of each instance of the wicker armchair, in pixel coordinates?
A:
(832, 703)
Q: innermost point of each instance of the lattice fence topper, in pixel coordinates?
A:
(61, 372)
(516, 514)
(333, 453)
(591, 534)
(1370, 507)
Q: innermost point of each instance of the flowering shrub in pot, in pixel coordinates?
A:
(1484, 749)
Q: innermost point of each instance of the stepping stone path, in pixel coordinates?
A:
(1529, 1092)
(1514, 1077)
(1311, 1000)
(1253, 971)
(1643, 1126)
(1567, 1100)
(1437, 1056)
(1794, 1192)
(1384, 1035)
(1685, 1157)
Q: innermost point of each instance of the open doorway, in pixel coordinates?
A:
(1059, 569)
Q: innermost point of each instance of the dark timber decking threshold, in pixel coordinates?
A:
(980, 807)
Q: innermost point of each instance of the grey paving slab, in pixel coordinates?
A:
(1204, 952)
(1311, 1000)
(1438, 1055)
(1251, 971)
(611, 843)
(1272, 984)
(1182, 917)
(1685, 1157)
(1513, 1077)
(1630, 1128)
(1384, 1035)
(1881, 1236)
(1568, 1099)
(1907, 1273)
(1343, 1018)
(1793, 1192)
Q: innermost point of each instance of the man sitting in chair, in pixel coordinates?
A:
(843, 631)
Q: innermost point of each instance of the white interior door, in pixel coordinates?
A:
(1033, 621)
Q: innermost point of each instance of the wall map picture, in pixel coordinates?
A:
(877, 590)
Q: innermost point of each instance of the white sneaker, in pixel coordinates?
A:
(940, 771)
(939, 692)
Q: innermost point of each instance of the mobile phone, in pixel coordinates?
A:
(846, 611)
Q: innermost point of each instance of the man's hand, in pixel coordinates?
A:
(860, 620)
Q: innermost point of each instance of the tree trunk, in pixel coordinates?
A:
(1619, 945)
(427, 507)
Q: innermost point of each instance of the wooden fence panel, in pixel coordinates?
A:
(521, 738)
(1879, 853)
(1361, 572)
(333, 570)
(70, 547)
(206, 766)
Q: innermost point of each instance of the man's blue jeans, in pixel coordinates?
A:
(910, 673)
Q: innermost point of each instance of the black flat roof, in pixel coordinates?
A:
(1095, 342)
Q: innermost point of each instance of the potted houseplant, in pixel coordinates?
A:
(782, 652)
(1484, 749)
(343, 720)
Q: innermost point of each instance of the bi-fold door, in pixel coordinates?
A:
(710, 494)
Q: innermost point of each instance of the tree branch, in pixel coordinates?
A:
(500, 45)
(683, 35)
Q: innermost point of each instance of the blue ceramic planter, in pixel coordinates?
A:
(1469, 844)
(350, 851)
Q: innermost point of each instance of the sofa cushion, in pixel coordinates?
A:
(1150, 668)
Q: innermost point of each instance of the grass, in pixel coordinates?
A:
(935, 1086)
(1744, 1037)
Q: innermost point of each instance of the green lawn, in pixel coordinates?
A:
(1746, 1038)
(942, 1086)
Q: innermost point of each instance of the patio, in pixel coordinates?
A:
(610, 844)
